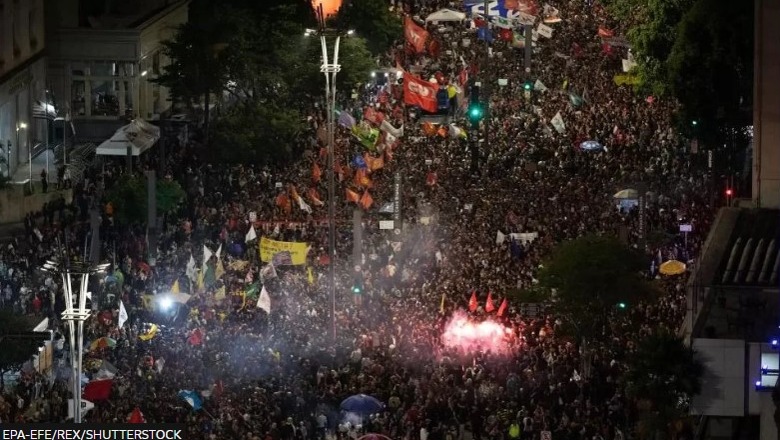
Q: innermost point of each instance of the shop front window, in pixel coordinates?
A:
(78, 98)
(105, 98)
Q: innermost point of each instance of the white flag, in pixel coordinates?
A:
(544, 30)
(251, 235)
(219, 252)
(303, 205)
(192, 271)
(86, 405)
(538, 85)
(206, 255)
(557, 123)
(122, 314)
(500, 237)
(264, 301)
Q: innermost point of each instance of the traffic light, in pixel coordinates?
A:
(357, 283)
(528, 86)
(475, 112)
(729, 192)
(622, 305)
(694, 122)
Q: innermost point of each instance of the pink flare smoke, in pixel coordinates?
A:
(468, 336)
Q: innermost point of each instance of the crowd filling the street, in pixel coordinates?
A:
(228, 331)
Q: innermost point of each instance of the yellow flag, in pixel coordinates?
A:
(150, 334)
(148, 302)
(220, 270)
(310, 276)
(201, 282)
(175, 288)
(220, 294)
(441, 307)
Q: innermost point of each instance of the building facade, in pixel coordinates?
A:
(22, 79)
(100, 67)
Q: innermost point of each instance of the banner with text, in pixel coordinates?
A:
(297, 251)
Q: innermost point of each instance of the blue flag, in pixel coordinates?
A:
(359, 162)
(191, 397)
(485, 34)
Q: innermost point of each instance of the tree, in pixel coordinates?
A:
(591, 276)
(354, 57)
(129, 198)
(372, 20)
(17, 346)
(662, 375)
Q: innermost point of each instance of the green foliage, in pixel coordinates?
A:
(590, 276)
(256, 133)
(663, 374)
(355, 59)
(372, 20)
(129, 198)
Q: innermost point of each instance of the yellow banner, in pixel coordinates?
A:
(630, 80)
(269, 248)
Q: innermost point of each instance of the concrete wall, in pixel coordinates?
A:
(766, 105)
(14, 205)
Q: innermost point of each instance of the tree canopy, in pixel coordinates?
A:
(16, 350)
(663, 374)
(253, 59)
(592, 276)
(129, 198)
(372, 20)
(697, 51)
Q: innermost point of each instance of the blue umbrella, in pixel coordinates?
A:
(591, 146)
(363, 404)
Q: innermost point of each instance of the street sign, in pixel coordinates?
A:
(686, 228)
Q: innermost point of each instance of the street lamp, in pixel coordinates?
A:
(22, 126)
(330, 67)
(8, 160)
(75, 270)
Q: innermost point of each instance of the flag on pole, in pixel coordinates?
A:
(502, 308)
(175, 288)
(219, 252)
(122, 314)
(441, 306)
(310, 276)
(206, 255)
(489, 307)
(251, 235)
(192, 398)
(220, 270)
(264, 301)
(473, 301)
(192, 271)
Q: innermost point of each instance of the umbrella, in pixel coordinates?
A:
(361, 403)
(672, 267)
(103, 342)
(591, 146)
(627, 193)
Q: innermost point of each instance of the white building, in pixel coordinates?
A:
(100, 61)
(22, 78)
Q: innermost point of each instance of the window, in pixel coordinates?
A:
(103, 68)
(31, 29)
(79, 69)
(78, 95)
(128, 98)
(105, 98)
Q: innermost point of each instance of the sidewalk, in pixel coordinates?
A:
(22, 173)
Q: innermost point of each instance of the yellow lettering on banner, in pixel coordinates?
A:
(268, 248)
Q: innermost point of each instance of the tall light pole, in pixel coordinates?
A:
(75, 313)
(330, 67)
(19, 127)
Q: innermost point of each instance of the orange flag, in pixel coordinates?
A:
(366, 201)
(316, 173)
(502, 308)
(489, 307)
(374, 163)
(429, 129)
(314, 196)
(442, 132)
(293, 192)
(361, 178)
(473, 301)
(352, 196)
(283, 202)
(606, 33)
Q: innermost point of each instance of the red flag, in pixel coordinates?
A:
(473, 301)
(373, 116)
(352, 196)
(502, 308)
(420, 93)
(196, 337)
(505, 34)
(463, 77)
(489, 307)
(314, 196)
(606, 33)
(431, 179)
(136, 416)
(434, 48)
(366, 201)
(416, 35)
(97, 390)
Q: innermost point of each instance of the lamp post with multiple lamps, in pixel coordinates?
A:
(19, 127)
(330, 67)
(76, 312)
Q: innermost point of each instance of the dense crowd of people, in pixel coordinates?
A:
(278, 375)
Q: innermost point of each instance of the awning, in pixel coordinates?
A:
(446, 15)
(139, 135)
